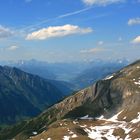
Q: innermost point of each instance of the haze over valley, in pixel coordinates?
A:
(70, 70)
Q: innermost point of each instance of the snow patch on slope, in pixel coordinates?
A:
(109, 77)
(137, 119)
(86, 118)
(66, 137)
(106, 130)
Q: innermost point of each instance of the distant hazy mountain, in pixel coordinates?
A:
(80, 73)
(108, 109)
(24, 95)
(54, 71)
(73, 75)
(35, 67)
(97, 70)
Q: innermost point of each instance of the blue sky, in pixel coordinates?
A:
(69, 30)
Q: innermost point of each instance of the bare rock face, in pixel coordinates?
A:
(117, 93)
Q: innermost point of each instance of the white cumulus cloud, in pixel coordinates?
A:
(134, 21)
(5, 32)
(101, 2)
(136, 40)
(57, 31)
(12, 48)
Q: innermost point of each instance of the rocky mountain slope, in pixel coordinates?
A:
(109, 109)
(23, 95)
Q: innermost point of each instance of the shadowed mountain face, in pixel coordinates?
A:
(23, 95)
(116, 98)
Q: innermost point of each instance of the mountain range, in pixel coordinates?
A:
(17, 85)
(108, 109)
(23, 95)
(97, 71)
(78, 74)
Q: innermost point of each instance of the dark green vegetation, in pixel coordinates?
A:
(24, 95)
(109, 96)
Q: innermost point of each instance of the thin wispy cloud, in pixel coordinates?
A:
(12, 48)
(90, 6)
(5, 32)
(134, 21)
(74, 13)
(100, 43)
(120, 39)
(101, 2)
(58, 17)
(93, 50)
(57, 31)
